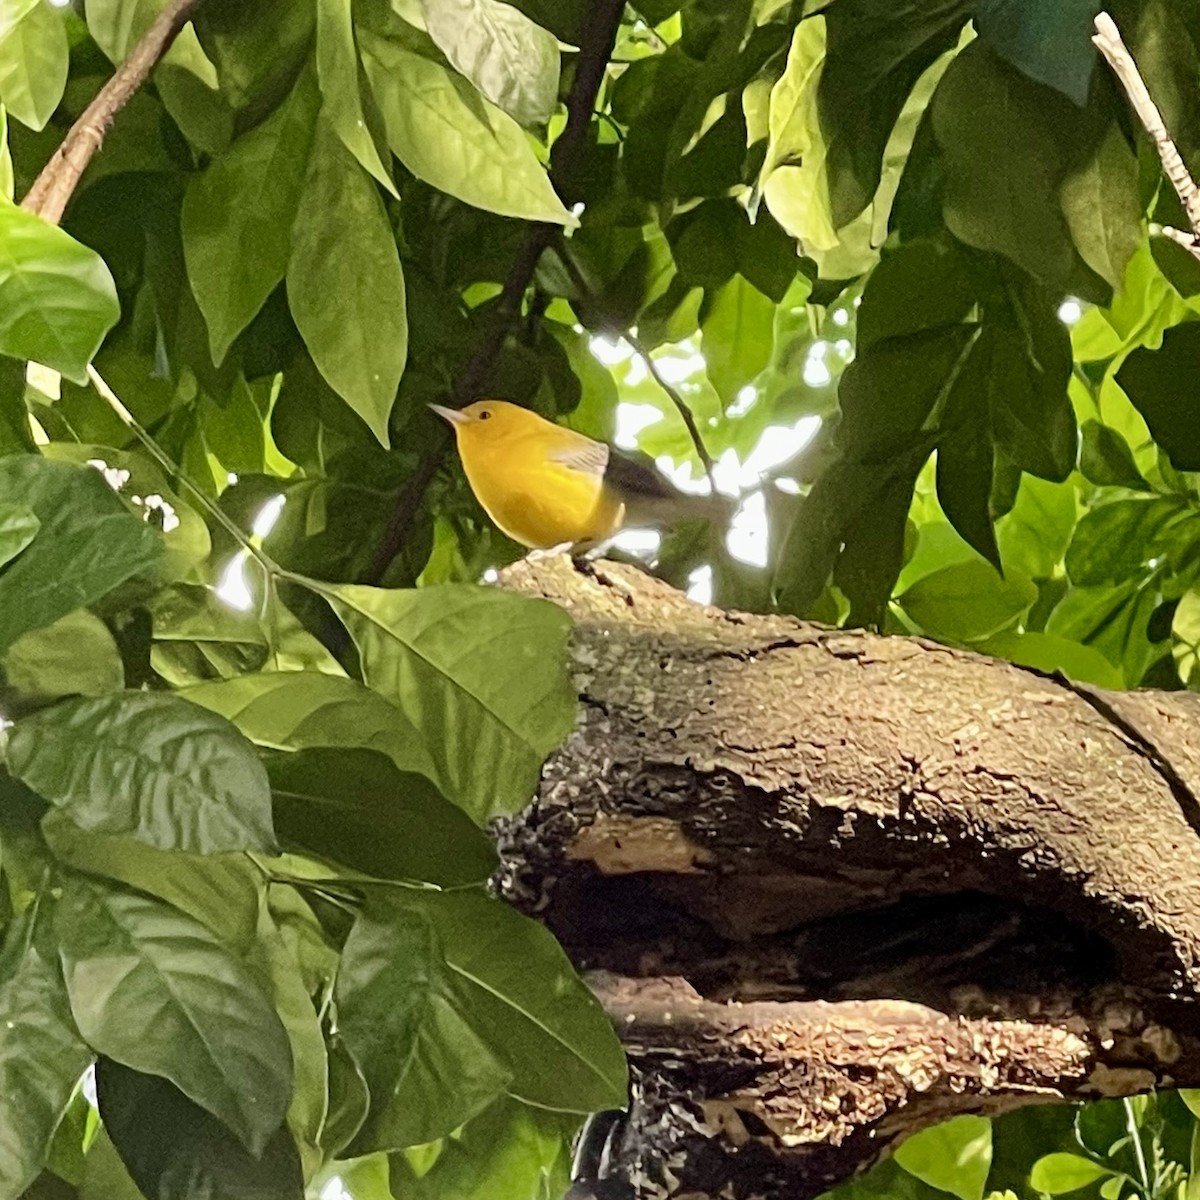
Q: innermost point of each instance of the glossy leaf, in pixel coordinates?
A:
(175, 1150)
(482, 676)
(18, 527)
(338, 72)
(354, 806)
(155, 990)
(446, 135)
(39, 1067)
(238, 213)
(953, 1157)
(967, 602)
(57, 298)
(76, 656)
(33, 64)
(88, 543)
(1105, 458)
(189, 780)
(447, 1000)
(736, 336)
(345, 286)
(509, 58)
(1056, 1174)
(299, 710)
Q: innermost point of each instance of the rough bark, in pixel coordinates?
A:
(834, 886)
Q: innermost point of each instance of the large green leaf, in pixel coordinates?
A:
(157, 991)
(354, 806)
(876, 52)
(736, 336)
(449, 999)
(1160, 383)
(345, 286)
(1115, 542)
(953, 1157)
(298, 710)
(57, 298)
(446, 135)
(41, 1060)
(480, 673)
(509, 58)
(33, 64)
(967, 601)
(510, 1151)
(1005, 156)
(174, 1150)
(18, 527)
(338, 71)
(76, 656)
(1051, 43)
(1055, 1174)
(1100, 201)
(237, 216)
(187, 779)
(88, 544)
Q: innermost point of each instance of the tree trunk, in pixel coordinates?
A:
(832, 887)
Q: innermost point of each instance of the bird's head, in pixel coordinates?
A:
(488, 420)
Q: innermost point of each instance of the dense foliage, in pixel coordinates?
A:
(258, 708)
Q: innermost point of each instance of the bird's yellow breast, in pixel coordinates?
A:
(535, 500)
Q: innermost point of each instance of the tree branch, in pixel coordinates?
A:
(601, 23)
(51, 191)
(1108, 41)
(689, 418)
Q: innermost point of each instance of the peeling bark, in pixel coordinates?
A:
(837, 886)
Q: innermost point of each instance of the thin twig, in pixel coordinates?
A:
(53, 187)
(689, 418)
(601, 25)
(1108, 41)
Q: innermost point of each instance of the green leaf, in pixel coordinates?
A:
(953, 1157)
(1003, 146)
(449, 999)
(1185, 649)
(1051, 43)
(157, 991)
(446, 135)
(1191, 1097)
(877, 50)
(1059, 1173)
(34, 58)
(1034, 534)
(967, 601)
(39, 1065)
(238, 214)
(174, 1150)
(18, 527)
(189, 780)
(57, 298)
(510, 59)
(354, 806)
(76, 656)
(481, 674)
(1046, 652)
(736, 336)
(89, 543)
(1101, 204)
(345, 286)
(1106, 460)
(337, 70)
(1114, 542)
(298, 710)
(510, 1151)
(1159, 382)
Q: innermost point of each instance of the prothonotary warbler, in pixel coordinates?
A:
(548, 486)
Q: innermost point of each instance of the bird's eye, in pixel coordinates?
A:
(483, 416)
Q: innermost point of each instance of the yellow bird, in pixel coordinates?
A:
(547, 486)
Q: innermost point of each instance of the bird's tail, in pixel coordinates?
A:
(666, 510)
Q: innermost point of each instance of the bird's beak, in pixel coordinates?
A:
(453, 415)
